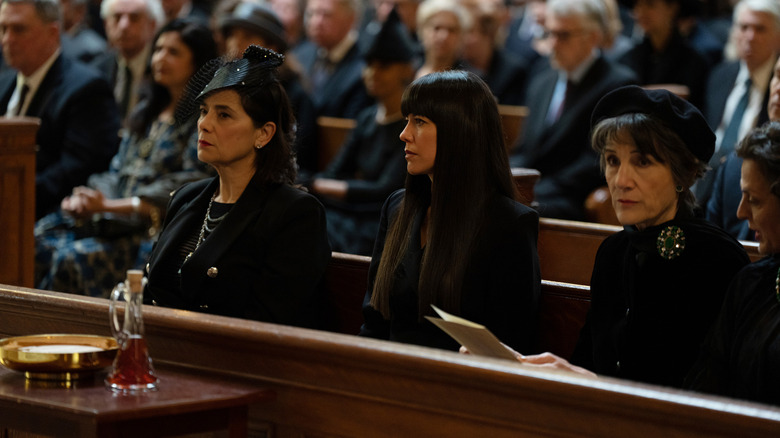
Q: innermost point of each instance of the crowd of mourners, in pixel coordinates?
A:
(181, 137)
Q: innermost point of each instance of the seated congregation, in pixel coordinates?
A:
(207, 193)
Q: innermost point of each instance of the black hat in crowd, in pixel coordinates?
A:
(256, 69)
(676, 113)
(390, 43)
(259, 19)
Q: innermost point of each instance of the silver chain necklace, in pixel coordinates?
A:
(203, 227)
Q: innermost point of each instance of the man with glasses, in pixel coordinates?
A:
(561, 98)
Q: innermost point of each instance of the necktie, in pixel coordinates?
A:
(558, 102)
(321, 72)
(731, 136)
(126, 90)
(22, 97)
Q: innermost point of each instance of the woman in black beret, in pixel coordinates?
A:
(658, 285)
(246, 243)
(741, 355)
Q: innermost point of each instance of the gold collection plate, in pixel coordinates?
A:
(58, 356)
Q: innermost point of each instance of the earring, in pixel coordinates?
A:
(258, 147)
(679, 189)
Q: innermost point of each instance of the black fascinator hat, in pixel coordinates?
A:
(256, 69)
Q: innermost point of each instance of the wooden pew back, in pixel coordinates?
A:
(567, 249)
(330, 385)
(17, 200)
(332, 132)
(562, 306)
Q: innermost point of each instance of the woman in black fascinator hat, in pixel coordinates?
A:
(246, 243)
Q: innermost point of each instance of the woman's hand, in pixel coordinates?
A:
(551, 361)
(545, 360)
(83, 202)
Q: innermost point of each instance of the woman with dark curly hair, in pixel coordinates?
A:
(246, 243)
(742, 352)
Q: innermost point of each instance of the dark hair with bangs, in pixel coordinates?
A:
(762, 145)
(652, 137)
(471, 165)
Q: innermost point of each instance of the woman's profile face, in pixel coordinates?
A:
(643, 189)
(419, 137)
(760, 208)
(226, 134)
(172, 61)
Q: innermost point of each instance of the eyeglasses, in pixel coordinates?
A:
(562, 35)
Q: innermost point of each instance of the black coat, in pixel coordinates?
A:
(78, 134)
(742, 353)
(561, 151)
(501, 285)
(263, 262)
(649, 315)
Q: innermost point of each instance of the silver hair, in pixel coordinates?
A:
(153, 8)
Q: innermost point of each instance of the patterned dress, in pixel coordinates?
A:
(89, 257)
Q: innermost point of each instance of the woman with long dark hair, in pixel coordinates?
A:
(455, 237)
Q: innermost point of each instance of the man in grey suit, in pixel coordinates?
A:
(738, 91)
(556, 135)
(331, 60)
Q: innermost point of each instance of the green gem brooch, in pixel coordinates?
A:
(671, 242)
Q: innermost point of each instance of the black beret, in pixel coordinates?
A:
(258, 19)
(391, 42)
(676, 113)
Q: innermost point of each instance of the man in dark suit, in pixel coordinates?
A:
(130, 28)
(331, 60)
(78, 132)
(561, 98)
(738, 91)
(722, 206)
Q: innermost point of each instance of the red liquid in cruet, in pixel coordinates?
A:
(132, 367)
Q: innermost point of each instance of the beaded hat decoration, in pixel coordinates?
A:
(255, 70)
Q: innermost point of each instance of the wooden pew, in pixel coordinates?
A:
(330, 385)
(567, 249)
(17, 200)
(512, 120)
(562, 306)
(332, 132)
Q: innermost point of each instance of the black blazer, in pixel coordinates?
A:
(725, 198)
(561, 151)
(344, 94)
(501, 285)
(264, 261)
(78, 134)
